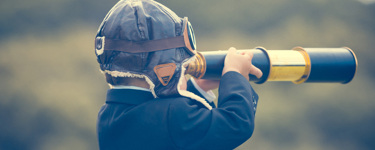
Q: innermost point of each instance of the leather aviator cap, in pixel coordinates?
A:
(129, 44)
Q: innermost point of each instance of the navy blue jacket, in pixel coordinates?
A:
(134, 119)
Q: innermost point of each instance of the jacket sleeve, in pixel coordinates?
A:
(192, 126)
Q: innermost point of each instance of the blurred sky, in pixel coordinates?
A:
(367, 2)
(51, 87)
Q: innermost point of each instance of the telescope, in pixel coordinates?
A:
(299, 65)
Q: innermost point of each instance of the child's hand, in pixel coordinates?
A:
(241, 63)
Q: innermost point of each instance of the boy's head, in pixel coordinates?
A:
(144, 39)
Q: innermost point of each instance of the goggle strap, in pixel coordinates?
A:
(146, 46)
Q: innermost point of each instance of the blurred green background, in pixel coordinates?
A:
(51, 88)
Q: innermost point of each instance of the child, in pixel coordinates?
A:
(143, 49)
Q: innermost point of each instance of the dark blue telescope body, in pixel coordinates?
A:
(299, 65)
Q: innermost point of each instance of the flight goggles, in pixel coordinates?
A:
(187, 41)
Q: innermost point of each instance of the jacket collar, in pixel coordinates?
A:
(128, 96)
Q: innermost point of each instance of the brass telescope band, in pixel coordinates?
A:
(298, 65)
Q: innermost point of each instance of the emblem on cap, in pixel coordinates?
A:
(165, 72)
